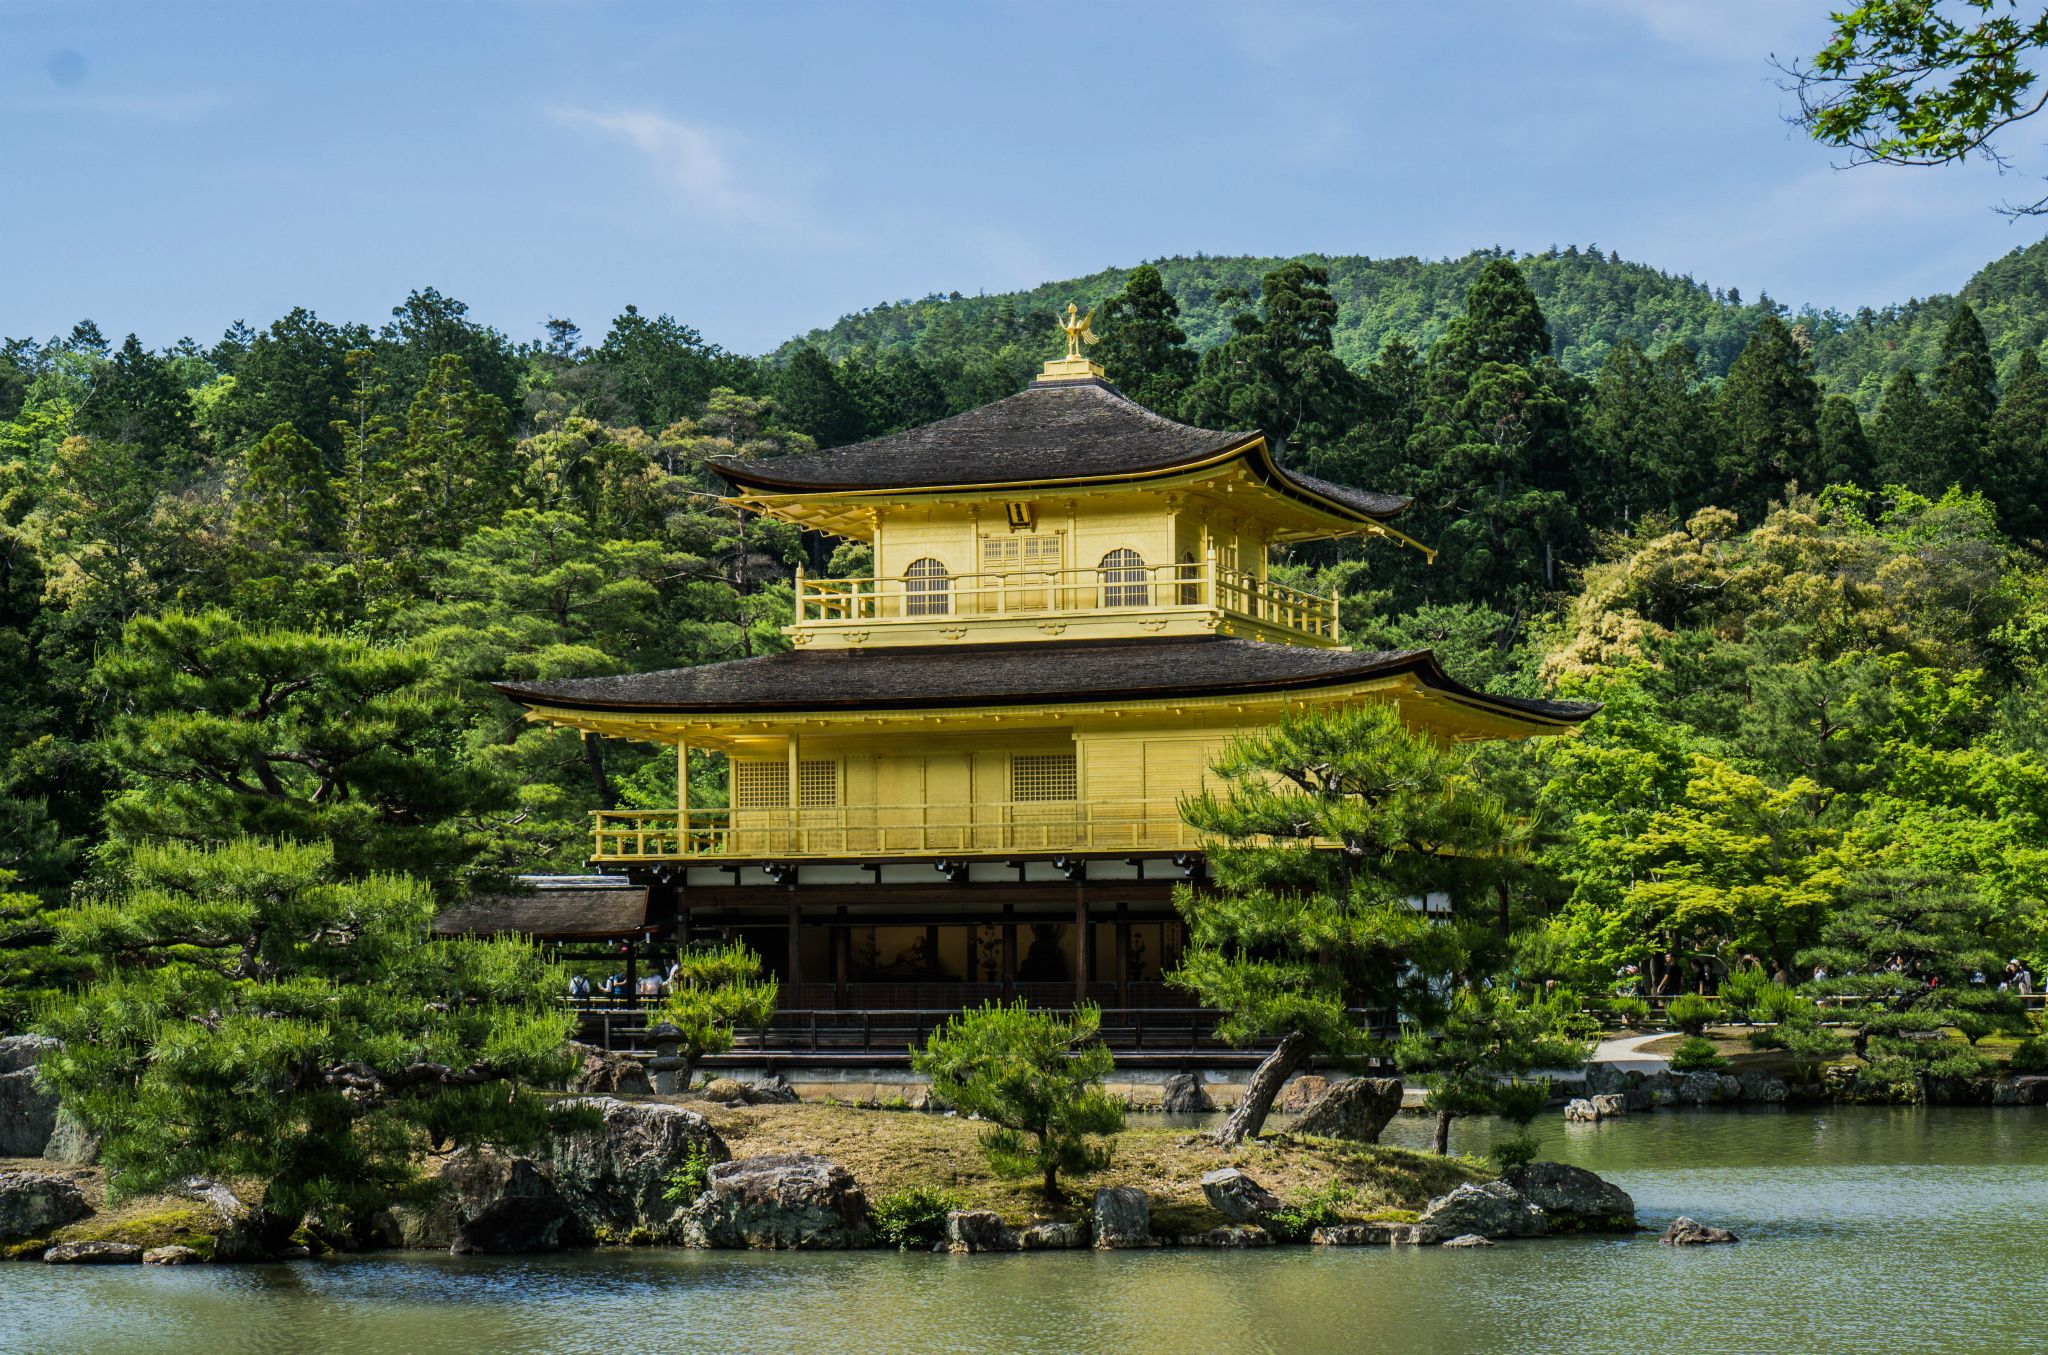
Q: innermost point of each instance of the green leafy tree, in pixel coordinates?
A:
(1279, 372)
(137, 399)
(814, 402)
(1769, 409)
(1036, 1077)
(1328, 828)
(1845, 453)
(1910, 442)
(1471, 1058)
(2016, 458)
(1143, 348)
(224, 729)
(252, 1014)
(718, 989)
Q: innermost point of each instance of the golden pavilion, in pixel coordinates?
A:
(962, 780)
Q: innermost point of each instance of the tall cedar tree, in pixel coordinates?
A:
(136, 398)
(811, 400)
(2017, 452)
(1329, 828)
(253, 1014)
(1845, 453)
(1769, 414)
(1279, 371)
(1143, 348)
(1908, 438)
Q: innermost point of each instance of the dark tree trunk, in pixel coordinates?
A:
(594, 756)
(1249, 1116)
(1440, 1141)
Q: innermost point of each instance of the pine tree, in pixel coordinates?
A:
(254, 1015)
(1327, 828)
(2016, 456)
(1769, 410)
(1144, 349)
(1486, 1034)
(718, 990)
(1503, 321)
(1907, 437)
(284, 503)
(1966, 380)
(1280, 373)
(137, 399)
(454, 468)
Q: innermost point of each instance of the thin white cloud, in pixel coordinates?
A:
(174, 106)
(1739, 30)
(697, 162)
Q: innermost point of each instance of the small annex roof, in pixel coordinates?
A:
(560, 908)
(1095, 672)
(1051, 433)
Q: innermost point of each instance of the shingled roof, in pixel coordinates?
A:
(1049, 672)
(573, 909)
(1051, 433)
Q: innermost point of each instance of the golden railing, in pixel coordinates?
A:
(890, 830)
(1058, 591)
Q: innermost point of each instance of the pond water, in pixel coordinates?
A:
(1863, 1230)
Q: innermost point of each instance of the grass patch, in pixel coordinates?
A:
(891, 1152)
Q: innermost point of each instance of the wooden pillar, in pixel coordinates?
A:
(1123, 954)
(1082, 949)
(795, 978)
(1009, 951)
(842, 958)
(632, 974)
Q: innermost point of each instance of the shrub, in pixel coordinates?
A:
(1696, 1054)
(1743, 992)
(1294, 1222)
(1517, 1151)
(1691, 1014)
(1036, 1077)
(914, 1219)
(2031, 1056)
(1633, 1012)
(1781, 1004)
(687, 1182)
(718, 989)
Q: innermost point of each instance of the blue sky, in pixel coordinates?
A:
(759, 169)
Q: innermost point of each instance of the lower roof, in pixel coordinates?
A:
(1041, 673)
(568, 910)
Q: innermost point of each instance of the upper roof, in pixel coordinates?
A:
(1096, 672)
(1050, 433)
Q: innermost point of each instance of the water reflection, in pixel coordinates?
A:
(1864, 1230)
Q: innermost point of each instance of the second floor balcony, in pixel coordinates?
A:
(1121, 596)
(717, 836)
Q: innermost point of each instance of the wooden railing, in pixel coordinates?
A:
(1202, 586)
(995, 829)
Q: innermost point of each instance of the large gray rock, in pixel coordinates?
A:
(1573, 1199)
(979, 1230)
(1699, 1089)
(1230, 1235)
(526, 1214)
(614, 1176)
(1123, 1218)
(1610, 1106)
(94, 1254)
(1300, 1093)
(1238, 1197)
(1689, 1232)
(1357, 1109)
(1053, 1236)
(773, 1089)
(33, 1203)
(171, 1254)
(71, 1142)
(1488, 1208)
(2025, 1090)
(1761, 1088)
(782, 1201)
(604, 1072)
(1184, 1094)
(28, 1114)
(1605, 1077)
(1469, 1240)
(239, 1236)
(1376, 1234)
(1579, 1110)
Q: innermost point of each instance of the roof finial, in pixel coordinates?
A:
(1073, 367)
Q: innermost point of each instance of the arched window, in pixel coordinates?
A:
(927, 589)
(1123, 580)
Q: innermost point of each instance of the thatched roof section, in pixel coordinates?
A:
(574, 909)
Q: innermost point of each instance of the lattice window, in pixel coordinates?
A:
(927, 588)
(817, 784)
(1190, 593)
(1036, 552)
(760, 784)
(1043, 776)
(1124, 582)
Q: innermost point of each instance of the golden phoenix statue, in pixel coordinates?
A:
(1077, 331)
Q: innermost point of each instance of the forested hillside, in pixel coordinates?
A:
(1592, 299)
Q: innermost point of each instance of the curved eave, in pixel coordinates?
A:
(1419, 665)
(747, 477)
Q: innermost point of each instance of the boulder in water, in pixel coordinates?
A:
(781, 1201)
(1230, 1235)
(1489, 1208)
(1574, 1199)
(528, 1214)
(1053, 1236)
(1357, 1109)
(1690, 1232)
(94, 1254)
(1469, 1240)
(1123, 1218)
(615, 1176)
(171, 1255)
(1184, 1094)
(979, 1230)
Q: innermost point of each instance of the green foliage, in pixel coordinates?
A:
(914, 1219)
(1517, 1150)
(1036, 1077)
(1692, 1013)
(2029, 1056)
(685, 1183)
(1745, 992)
(1470, 1059)
(254, 1014)
(718, 989)
(1297, 1219)
(1697, 1054)
(1633, 1012)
